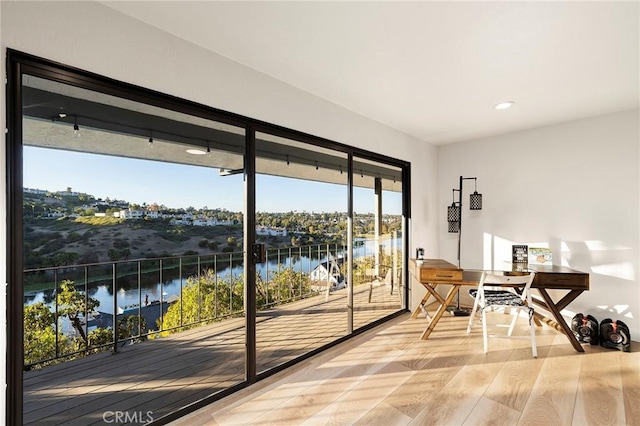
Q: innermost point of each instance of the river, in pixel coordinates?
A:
(152, 289)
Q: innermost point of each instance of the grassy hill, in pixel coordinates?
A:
(90, 239)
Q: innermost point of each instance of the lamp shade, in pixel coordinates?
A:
(453, 213)
(475, 201)
(454, 227)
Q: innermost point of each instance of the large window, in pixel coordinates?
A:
(164, 254)
(132, 239)
(301, 203)
(378, 240)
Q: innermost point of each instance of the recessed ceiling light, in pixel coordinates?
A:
(196, 152)
(504, 105)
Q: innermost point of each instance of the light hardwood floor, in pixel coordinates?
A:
(388, 376)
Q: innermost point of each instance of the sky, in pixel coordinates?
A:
(177, 185)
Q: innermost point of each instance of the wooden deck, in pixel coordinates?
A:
(161, 375)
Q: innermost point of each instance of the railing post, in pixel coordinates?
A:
(180, 275)
(55, 295)
(160, 265)
(114, 324)
(290, 283)
(199, 294)
(279, 272)
(231, 283)
(139, 299)
(266, 280)
(86, 303)
(215, 285)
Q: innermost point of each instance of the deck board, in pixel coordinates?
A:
(164, 374)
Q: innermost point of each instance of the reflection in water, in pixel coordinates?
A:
(129, 294)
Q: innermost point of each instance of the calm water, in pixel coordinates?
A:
(154, 290)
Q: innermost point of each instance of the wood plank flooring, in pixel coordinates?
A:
(163, 375)
(388, 376)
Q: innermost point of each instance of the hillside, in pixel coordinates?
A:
(67, 241)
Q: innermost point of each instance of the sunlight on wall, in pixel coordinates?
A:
(487, 251)
(617, 309)
(497, 253)
(622, 270)
(598, 245)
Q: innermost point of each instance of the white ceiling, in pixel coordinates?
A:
(433, 70)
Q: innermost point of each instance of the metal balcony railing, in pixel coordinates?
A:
(126, 312)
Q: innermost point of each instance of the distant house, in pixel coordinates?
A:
(68, 193)
(35, 191)
(328, 272)
(271, 231)
(180, 222)
(131, 214)
(54, 215)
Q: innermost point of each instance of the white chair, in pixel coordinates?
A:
(506, 298)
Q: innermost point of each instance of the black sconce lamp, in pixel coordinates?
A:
(475, 199)
(453, 215)
(454, 220)
(454, 211)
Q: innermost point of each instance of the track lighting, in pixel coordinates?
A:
(76, 128)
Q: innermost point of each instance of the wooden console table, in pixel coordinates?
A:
(433, 272)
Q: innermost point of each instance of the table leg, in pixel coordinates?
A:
(555, 310)
(422, 306)
(441, 310)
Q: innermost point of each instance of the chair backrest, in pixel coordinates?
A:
(525, 281)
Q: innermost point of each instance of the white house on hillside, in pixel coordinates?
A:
(131, 214)
(271, 231)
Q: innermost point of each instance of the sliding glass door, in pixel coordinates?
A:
(164, 254)
(378, 240)
(301, 220)
(132, 245)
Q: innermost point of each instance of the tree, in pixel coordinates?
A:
(39, 334)
(205, 298)
(132, 326)
(114, 254)
(75, 306)
(284, 285)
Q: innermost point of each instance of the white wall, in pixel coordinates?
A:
(572, 186)
(92, 37)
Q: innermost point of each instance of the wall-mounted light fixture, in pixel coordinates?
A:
(453, 214)
(76, 128)
(454, 221)
(475, 199)
(454, 211)
(230, 172)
